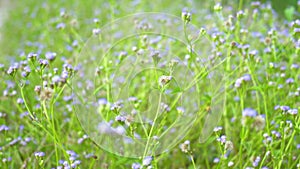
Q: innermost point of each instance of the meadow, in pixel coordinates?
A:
(150, 84)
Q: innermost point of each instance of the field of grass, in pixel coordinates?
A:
(150, 84)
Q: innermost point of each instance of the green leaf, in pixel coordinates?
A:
(289, 13)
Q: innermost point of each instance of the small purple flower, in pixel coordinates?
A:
(39, 154)
(96, 20)
(180, 110)
(294, 66)
(50, 56)
(21, 128)
(219, 128)
(75, 43)
(96, 31)
(90, 155)
(136, 166)
(268, 50)
(22, 115)
(56, 79)
(256, 161)
(249, 112)
(32, 56)
(293, 111)
(296, 30)
(255, 4)
(1, 66)
(253, 53)
(216, 160)
(27, 139)
(4, 128)
(246, 77)
(236, 98)
(4, 160)
(120, 118)
(26, 71)
(284, 108)
(20, 101)
(24, 74)
(147, 161)
(11, 71)
(60, 26)
(132, 99)
(68, 67)
(75, 163)
(43, 63)
(289, 81)
(222, 139)
(65, 74)
(276, 107)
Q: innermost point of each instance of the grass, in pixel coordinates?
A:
(231, 102)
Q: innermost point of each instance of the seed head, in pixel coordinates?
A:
(259, 123)
(164, 80)
(228, 145)
(185, 147)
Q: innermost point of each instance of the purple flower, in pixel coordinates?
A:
(180, 110)
(284, 108)
(289, 81)
(294, 66)
(246, 77)
(120, 118)
(96, 31)
(43, 63)
(11, 71)
(293, 111)
(102, 101)
(26, 71)
(276, 107)
(4, 128)
(256, 161)
(75, 163)
(219, 128)
(4, 160)
(50, 56)
(68, 67)
(32, 56)
(75, 43)
(216, 160)
(60, 26)
(255, 4)
(39, 154)
(253, 53)
(56, 79)
(136, 166)
(249, 112)
(147, 161)
(20, 101)
(65, 74)
(222, 139)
